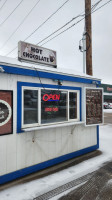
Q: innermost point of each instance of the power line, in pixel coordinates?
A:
(93, 7)
(103, 5)
(47, 19)
(75, 23)
(3, 5)
(59, 29)
(19, 25)
(67, 28)
(63, 31)
(11, 13)
(41, 24)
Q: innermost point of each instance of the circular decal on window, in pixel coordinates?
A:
(5, 112)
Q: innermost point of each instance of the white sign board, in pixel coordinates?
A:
(32, 53)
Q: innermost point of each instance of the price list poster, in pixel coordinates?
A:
(94, 106)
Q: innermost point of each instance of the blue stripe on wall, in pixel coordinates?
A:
(48, 75)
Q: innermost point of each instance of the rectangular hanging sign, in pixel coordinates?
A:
(6, 112)
(32, 53)
(94, 106)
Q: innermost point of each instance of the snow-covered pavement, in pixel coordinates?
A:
(37, 187)
(107, 110)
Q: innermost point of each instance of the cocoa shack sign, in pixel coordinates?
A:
(5, 112)
(32, 53)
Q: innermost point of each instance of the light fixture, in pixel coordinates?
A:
(95, 82)
(58, 81)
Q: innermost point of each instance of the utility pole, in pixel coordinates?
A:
(84, 51)
(89, 70)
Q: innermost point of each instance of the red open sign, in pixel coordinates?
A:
(51, 97)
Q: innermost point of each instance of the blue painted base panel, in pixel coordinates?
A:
(20, 173)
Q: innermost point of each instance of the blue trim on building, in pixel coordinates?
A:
(48, 75)
(80, 104)
(19, 108)
(20, 173)
(27, 84)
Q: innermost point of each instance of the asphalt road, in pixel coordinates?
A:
(98, 187)
(107, 118)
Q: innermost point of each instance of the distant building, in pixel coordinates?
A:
(107, 92)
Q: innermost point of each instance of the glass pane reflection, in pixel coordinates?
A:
(53, 106)
(72, 105)
(30, 106)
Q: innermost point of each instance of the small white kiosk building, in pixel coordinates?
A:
(44, 117)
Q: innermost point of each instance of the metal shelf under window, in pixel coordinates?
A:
(52, 126)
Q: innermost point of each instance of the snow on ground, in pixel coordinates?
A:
(35, 188)
(107, 110)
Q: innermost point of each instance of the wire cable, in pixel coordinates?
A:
(75, 23)
(56, 30)
(46, 20)
(11, 13)
(19, 25)
(59, 29)
(63, 30)
(39, 78)
(3, 5)
(103, 5)
(93, 7)
(41, 24)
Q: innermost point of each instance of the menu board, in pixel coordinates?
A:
(94, 111)
(6, 113)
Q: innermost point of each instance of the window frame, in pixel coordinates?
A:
(39, 107)
(34, 124)
(78, 105)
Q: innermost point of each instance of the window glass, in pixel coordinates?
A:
(53, 106)
(30, 106)
(72, 105)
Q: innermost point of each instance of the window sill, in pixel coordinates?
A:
(52, 126)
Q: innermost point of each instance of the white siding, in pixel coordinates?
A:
(18, 151)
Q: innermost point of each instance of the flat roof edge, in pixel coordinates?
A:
(34, 68)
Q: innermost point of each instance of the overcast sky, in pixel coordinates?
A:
(67, 44)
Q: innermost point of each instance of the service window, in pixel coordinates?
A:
(49, 106)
